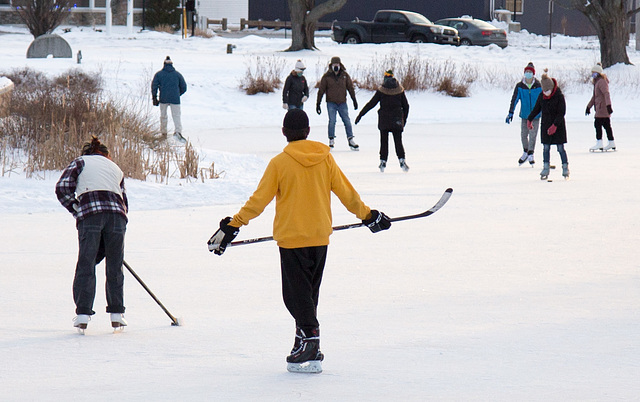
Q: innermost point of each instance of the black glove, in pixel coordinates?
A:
(223, 236)
(355, 104)
(609, 109)
(378, 221)
(155, 101)
(587, 111)
(318, 109)
(358, 119)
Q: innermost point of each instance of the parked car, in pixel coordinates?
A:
(394, 26)
(476, 32)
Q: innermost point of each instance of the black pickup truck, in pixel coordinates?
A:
(394, 26)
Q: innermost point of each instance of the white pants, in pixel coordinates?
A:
(175, 115)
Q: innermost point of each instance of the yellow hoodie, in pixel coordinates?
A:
(302, 178)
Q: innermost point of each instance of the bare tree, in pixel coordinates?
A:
(43, 16)
(610, 18)
(304, 16)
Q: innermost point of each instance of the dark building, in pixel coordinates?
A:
(533, 15)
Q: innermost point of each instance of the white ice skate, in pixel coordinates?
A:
(611, 146)
(118, 322)
(80, 322)
(597, 147)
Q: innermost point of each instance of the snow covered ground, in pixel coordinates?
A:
(517, 289)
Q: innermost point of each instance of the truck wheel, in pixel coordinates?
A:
(352, 39)
(465, 42)
(419, 39)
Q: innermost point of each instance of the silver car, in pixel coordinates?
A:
(476, 32)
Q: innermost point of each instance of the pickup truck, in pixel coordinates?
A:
(394, 26)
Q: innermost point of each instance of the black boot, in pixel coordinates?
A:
(306, 346)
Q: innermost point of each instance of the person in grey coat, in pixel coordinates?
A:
(171, 85)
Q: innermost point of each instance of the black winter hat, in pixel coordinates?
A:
(168, 60)
(296, 119)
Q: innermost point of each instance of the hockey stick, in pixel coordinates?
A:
(443, 200)
(174, 320)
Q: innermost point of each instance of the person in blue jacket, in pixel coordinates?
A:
(171, 85)
(527, 92)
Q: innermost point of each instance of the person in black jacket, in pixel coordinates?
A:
(553, 107)
(392, 116)
(296, 90)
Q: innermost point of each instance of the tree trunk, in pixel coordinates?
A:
(304, 17)
(610, 20)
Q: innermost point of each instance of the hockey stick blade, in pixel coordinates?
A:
(443, 200)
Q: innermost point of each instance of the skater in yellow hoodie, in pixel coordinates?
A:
(301, 179)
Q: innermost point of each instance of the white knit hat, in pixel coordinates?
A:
(597, 68)
(300, 66)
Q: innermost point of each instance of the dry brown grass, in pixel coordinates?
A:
(51, 118)
(204, 33)
(416, 74)
(166, 28)
(263, 75)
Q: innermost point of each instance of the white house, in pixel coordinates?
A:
(232, 10)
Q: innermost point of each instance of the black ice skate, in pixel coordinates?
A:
(306, 356)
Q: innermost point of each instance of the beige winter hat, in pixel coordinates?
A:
(597, 68)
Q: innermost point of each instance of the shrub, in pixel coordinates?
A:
(417, 74)
(43, 16)
(50, 119)
(164, 12)
(263, 75)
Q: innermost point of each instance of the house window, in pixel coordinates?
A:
(519, 4)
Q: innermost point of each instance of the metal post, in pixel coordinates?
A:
(550, 20)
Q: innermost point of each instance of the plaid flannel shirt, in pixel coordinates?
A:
(91, 203)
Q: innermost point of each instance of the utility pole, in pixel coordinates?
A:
(550, 20)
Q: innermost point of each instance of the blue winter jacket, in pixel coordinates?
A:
(170, 83)
(527, 97)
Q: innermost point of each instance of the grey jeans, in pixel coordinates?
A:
(175, 115)
(100, 236)
(527, 136)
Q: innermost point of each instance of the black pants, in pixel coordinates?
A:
(100, 236)
(384, 144)
(606, 123)
(302, 270)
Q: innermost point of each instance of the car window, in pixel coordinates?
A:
(483, 24)
(459, 25)
(382, 17)
(397, 19)
(416, 18)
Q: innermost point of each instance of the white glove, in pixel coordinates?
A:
(304, 99)
(285, 106)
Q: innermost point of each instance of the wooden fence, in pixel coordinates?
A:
(260, 24)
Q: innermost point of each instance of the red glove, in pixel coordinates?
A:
(552, 129)
(529, 125)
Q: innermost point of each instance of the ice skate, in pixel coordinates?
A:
(306, 356)
(531, 160)
(523, 158)
(179, 137)
(353, 145)
(544, 173)
(382, 166)
(332, 142)
(597, 147)
(403, 165)
(118, 322)
(80, 322)
(611, 146)
(565, 171)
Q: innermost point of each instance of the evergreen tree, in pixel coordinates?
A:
(164, 12)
